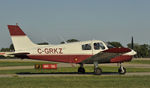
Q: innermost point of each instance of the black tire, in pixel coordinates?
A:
(97, 71)
(81, 70)
(120, 71)
(38, 66)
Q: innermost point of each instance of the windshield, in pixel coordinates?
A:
(98, 46)
(109, 45)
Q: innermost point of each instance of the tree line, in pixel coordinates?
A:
(143, 50)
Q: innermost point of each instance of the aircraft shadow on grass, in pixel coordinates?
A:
(67, 73)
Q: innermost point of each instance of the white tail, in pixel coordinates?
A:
(20, 40)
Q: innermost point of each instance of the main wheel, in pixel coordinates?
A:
(122, 70)
(98, 71)
(81, 70)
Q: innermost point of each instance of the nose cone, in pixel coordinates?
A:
(132, 53)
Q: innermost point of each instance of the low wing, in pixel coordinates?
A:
(107, 56)
(21, 54)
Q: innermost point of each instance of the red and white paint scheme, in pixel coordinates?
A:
(85, 52)
(49, 66)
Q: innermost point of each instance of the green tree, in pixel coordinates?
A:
(149, 51)
(115, 44)
(43, 43)
(5, 50)
(70, 40)
(11, 47)
(142, 50)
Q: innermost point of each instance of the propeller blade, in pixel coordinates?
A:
(132, 43)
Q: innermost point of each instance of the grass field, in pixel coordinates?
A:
(71, 69)
(31, 63)
(140, 62)
(77, 82)
(65, 81)
(21, 63)
(63, 69)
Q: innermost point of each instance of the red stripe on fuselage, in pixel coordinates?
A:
(119, 59)
(61, 58)
(117, 50)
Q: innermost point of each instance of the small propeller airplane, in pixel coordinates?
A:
(85, 52)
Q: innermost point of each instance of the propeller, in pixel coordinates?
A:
(132, 47)
(132, 43)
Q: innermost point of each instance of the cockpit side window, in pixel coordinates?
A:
(98, 46)
(109, 45)
(86, 47)
(102, 46)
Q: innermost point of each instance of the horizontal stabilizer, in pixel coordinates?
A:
(21, 55)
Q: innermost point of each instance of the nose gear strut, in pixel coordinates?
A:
(97, 70)
(121, 69)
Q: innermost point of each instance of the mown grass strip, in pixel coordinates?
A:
(19, 63)
(77, 82)
(140, 62)
(71, 69)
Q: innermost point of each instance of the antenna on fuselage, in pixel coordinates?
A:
(62, 39)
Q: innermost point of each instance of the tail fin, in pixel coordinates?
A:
(19, 38)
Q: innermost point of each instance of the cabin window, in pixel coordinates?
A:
(98, 46)
(86, 47)
(102, 46)
(109, 45)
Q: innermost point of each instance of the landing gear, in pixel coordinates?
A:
(121, 70)
(81, 69)
(97, 70)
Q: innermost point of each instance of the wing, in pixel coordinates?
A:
(21, 54)
(107, 56)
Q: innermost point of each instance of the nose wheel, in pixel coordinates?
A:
(97, 70)
(121, 69)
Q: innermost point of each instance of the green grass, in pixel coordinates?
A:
(140, 62)
(62, 69)
(21, 63)
(31, 63)
(71, 69)
(87, 81)
(77, 82)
